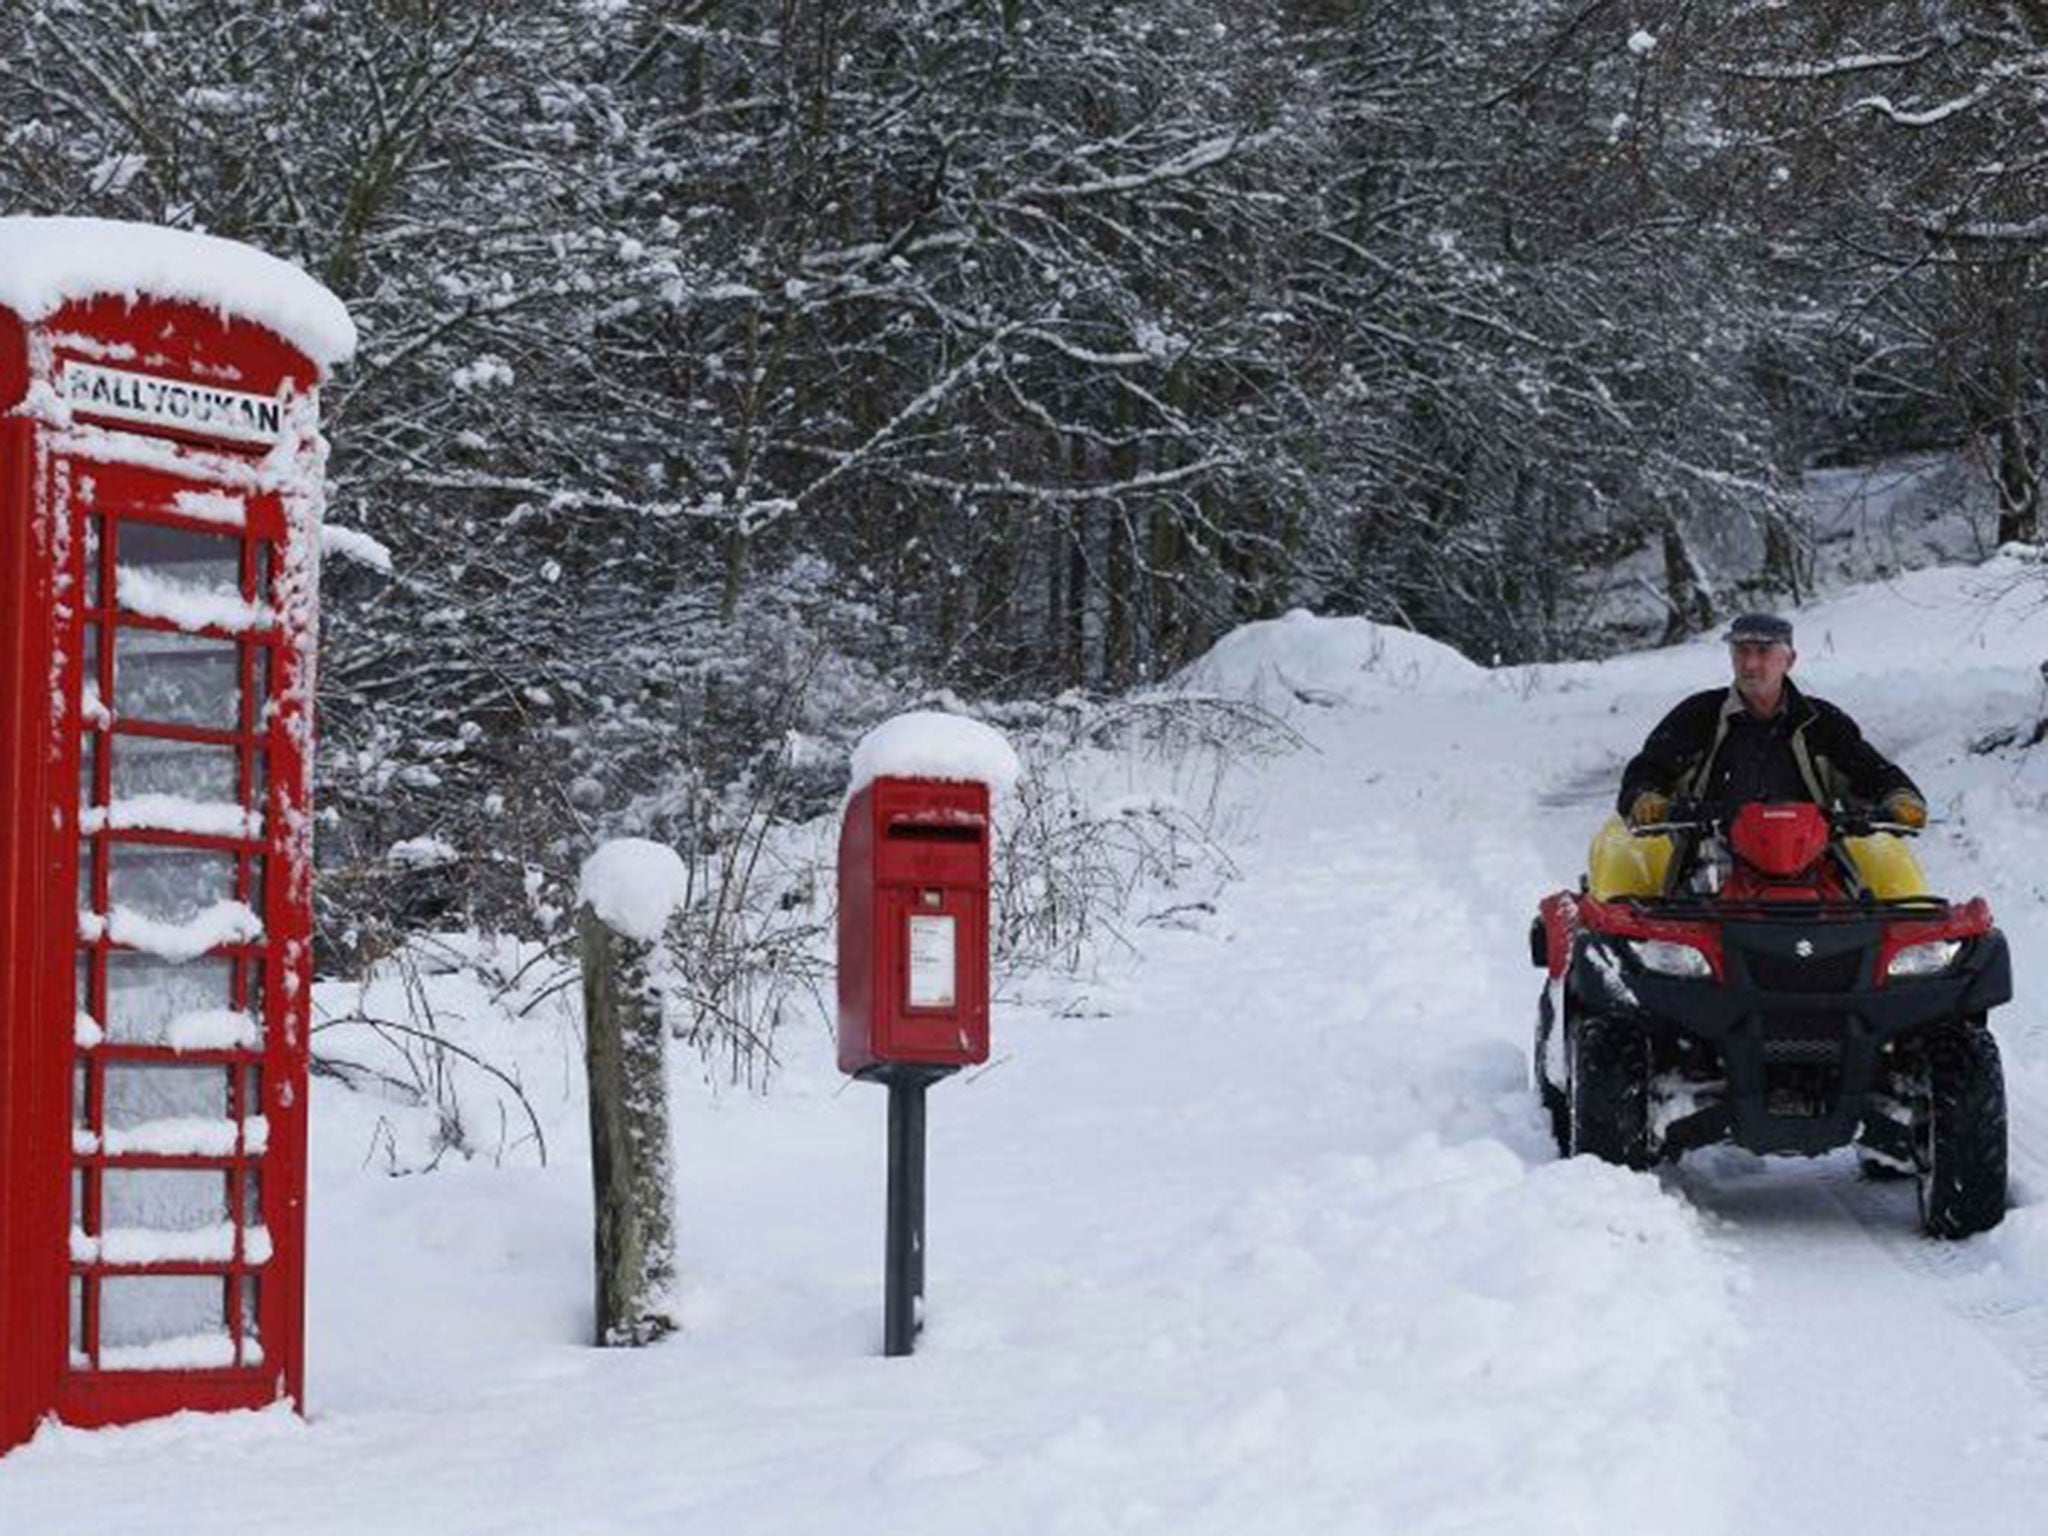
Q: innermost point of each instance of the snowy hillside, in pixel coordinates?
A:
(1893, 515)
(1256, 1230)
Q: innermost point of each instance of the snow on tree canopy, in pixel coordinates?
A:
(634, 886)
(46, 263)
(925, 744)
(1326, 660)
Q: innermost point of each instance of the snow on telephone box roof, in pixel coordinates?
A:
(925, 744)
(46, 263)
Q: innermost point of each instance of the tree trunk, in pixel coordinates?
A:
(1689, 606)
(1077, 598)
(626, 1048)
(1119, 577)
(2019, 482)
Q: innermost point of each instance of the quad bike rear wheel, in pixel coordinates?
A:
(1608, 1099)
(1962, 1189)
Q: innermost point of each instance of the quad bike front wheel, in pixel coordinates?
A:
(1962, 1187)
(1556, 1109)
(1608, 1098)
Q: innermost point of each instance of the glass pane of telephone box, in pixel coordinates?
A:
(92, 562)
(176, 679)
(140, 1094)
(169, 885)
(164, 1322)
(164, 1200)
(87, 857)
(252, 1310)
(91, 703)
(145, 765)
(145, 993)
(88, 772)
(207, 562)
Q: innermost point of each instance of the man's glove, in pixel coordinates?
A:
(1649, 808)
(1905, 808)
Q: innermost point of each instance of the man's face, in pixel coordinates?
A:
(1760, 669)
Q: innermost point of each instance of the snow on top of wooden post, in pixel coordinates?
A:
(925, 744)
(634, 886)
(46, 263)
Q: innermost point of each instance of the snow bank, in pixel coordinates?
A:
(1326, 661)
(925, 744)
(634, 886)
(46, 263)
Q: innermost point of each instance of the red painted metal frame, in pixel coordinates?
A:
(43, 470)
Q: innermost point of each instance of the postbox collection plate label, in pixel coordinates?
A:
(173, 403)
(933, 963)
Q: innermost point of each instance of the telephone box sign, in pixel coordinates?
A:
(158, 553)
(171, 404)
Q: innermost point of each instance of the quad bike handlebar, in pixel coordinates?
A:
(1848, 819)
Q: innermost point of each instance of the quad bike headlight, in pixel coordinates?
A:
(1668, 958)
(1929, 959)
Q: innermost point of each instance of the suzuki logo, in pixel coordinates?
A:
(1803, 949)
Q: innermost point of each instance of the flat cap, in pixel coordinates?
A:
(1759, 629)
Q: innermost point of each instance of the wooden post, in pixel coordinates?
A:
(626, 1052)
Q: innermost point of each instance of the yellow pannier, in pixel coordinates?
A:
(1621, 864)
(1887, 866)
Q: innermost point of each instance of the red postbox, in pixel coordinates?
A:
(913, 926)
(160, 498)
(914, 950)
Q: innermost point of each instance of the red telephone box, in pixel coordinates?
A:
(913, 925)
(160, 498)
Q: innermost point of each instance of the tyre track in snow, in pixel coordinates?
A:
(1964, 1276)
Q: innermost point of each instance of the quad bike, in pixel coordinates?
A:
(1777, 978)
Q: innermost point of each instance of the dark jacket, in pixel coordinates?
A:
(1710, 748)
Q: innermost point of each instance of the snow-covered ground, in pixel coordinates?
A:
(1255, 1230)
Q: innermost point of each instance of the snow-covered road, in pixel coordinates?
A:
(1259, 1230)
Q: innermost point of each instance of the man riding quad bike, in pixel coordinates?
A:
(1744, 964)
(1778, 978)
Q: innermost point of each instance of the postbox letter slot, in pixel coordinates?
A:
(927, 832)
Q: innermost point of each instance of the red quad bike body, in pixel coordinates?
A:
(1765, 997)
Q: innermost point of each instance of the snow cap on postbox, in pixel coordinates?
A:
(926, 744)
(47, 263)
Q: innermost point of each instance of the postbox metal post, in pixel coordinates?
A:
(903, 1263)
(903, 1268)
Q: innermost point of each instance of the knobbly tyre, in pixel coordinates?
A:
(1779, 979)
